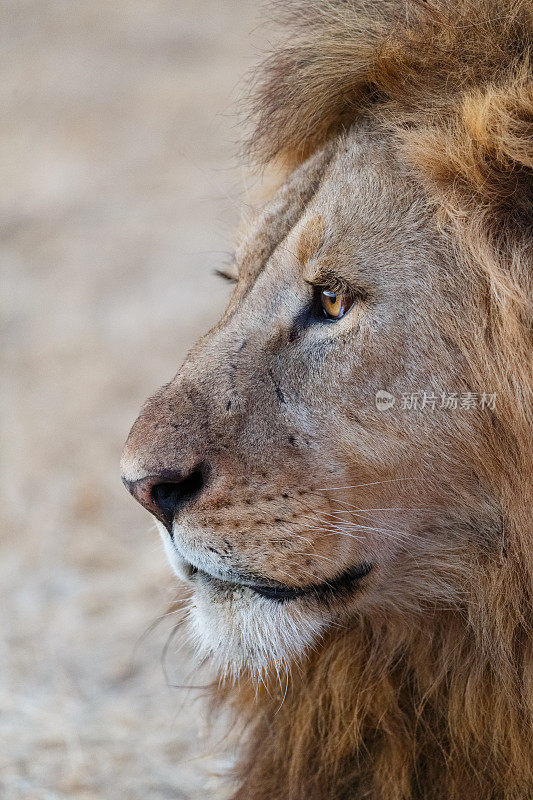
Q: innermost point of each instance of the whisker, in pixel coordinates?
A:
(360, 485)
(298, 536)
(344, 523)
(341, 528)
(372, 508)
(315, 555)
(284, 693)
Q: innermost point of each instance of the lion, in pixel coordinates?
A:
(342, 469)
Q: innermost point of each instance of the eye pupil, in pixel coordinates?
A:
(333, 304)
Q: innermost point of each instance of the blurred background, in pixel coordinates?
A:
(121, 192)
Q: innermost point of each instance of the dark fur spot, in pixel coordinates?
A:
(353, 417)
(279, 393)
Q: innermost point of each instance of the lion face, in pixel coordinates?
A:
(306, 464)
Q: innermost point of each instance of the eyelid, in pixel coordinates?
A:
(331, 283)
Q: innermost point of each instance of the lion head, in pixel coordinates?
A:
(342, 468)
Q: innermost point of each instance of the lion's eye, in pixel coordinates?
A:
(335, 304)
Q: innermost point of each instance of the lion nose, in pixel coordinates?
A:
(166, 494)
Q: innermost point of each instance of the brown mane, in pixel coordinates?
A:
(440, 705)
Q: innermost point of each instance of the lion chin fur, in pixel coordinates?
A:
(435, 704)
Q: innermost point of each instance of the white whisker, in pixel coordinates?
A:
(360, 485)
(346, 523)
(315, 555)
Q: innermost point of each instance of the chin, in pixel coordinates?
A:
(260, 629)
(240, 632)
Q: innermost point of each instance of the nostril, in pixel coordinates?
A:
(169, 497)
(165, 496)
(167, 493)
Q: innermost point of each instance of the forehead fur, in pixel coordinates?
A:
(451, 83)
(310, 238)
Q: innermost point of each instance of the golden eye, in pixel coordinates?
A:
(335, 304)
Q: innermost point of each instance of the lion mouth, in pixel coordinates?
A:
(343, 583)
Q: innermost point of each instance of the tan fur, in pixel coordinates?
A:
(310, 239)
(409, 127)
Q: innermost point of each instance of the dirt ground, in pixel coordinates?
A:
(120, 195)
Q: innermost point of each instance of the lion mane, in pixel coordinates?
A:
(439, 707)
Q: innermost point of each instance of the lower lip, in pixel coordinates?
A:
(342, 585)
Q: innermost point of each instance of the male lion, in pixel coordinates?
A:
(342, 469)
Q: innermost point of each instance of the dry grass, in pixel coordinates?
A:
(119, 192)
